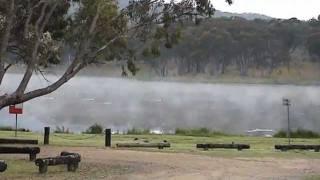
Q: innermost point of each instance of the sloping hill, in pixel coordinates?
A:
(248, 16)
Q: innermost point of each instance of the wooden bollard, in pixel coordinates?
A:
(46, 135)
(108, 138)
(3, 166)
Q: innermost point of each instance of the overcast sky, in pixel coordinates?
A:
(302, 9)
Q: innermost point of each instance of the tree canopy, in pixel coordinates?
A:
(37, 33)
(218, 43)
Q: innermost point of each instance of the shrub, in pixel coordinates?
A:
(198, 132)
(62, 130)
(280, 134)
(136, 131)
(299, 133)
(95, 129)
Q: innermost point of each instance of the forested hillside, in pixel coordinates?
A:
(257, 48)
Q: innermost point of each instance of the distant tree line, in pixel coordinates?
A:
(299, 133)
(216, 44)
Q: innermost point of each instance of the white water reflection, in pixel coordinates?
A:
(121, 103)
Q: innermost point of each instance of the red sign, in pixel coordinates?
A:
(16, 109)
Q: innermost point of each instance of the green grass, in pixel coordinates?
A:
(260, 146)
(314, 177)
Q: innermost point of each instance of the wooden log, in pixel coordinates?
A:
(18, 141)
(223, 146)
(32, 151)
(3, 166)
(144, 145)
(70, 159)
(316, 148)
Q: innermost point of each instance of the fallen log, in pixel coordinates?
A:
(223, 146)
(144, 145)
(3, 166)
(32, 151)
(72, 161)
(18, 141)
(316, 148)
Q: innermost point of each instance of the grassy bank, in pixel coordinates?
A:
(260, 146)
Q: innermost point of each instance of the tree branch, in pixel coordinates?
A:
(106, 45)
(6, 100)
(39, 28)
(7, 67)
(43, 76)
(26, 26)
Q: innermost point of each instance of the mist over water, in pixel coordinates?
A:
(123, 103)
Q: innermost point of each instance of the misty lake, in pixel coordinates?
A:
(123, 103)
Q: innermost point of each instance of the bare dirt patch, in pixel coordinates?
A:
(125, 164)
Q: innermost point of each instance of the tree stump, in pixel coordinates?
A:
(3, 166)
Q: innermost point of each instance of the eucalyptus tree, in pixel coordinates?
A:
(35, 32)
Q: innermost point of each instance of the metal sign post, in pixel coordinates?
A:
(286, 102)
(16, 109)
(15, 134)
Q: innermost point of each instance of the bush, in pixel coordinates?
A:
(299, 133)
(280, 134)
(198, 132)
(95, 129)
(136, 131)
(61, 130)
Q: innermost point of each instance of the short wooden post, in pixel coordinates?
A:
(32, 156)
(72, 167)
(3, 166)
(108, 138)
(43, 167)
(46, 135)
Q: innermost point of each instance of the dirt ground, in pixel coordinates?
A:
(127, 164)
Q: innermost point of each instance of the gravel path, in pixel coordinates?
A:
(157, 165)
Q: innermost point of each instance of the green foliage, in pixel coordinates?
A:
(61, 130)
(203, 132)
(221, 44)
(280, 134)
(146, 52)
(132, 67)
(313, 44)
(155, 50)
(94, 129)
(299, 133)
(136, 131)
(160, 33)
